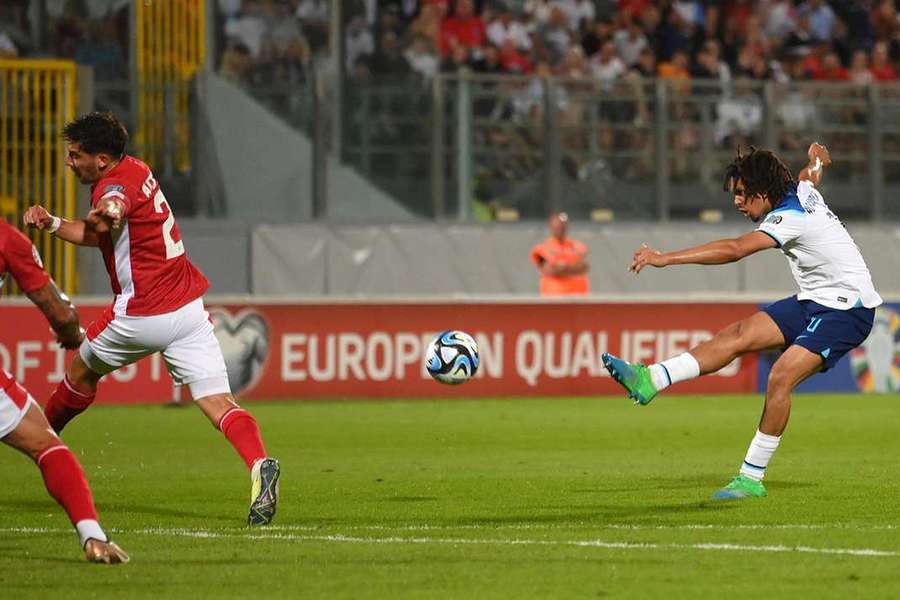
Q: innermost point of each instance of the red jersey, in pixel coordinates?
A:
(20, 258)
(468, 32)
(885, 73)
(149, 271)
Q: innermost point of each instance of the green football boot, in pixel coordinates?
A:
(741, 487)
(635, 378)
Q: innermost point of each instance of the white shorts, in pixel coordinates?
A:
(185, 337)
(14, 403)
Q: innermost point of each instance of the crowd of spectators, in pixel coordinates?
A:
(598, 50)
(598, 43)
(90, 32)
(846, 40)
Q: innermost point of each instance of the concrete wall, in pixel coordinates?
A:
(430, 259)
(259, 169)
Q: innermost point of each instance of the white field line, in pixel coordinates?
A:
(346, 539)
(582, 525)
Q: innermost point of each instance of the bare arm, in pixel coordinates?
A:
(60, 313)
(75, 232)
(818, 160)
(82, 232)
(718, 252)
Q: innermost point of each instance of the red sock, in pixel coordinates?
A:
(240, 428)
(65, 481)
(65, 404)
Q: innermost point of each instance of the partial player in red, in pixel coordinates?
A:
(22, 424)
(158, 305)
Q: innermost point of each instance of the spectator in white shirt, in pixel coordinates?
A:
(249, 28)
(630, 42)
(578, 12)
(422, 57)
(504, 26)
(359, 41)
(606, 66)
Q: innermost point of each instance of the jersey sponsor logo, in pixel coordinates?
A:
(774, 219)
(113, 188)
(842, 299)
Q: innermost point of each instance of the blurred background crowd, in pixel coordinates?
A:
(92, 32)
(734, 72)
(716, 55)
(603, 40)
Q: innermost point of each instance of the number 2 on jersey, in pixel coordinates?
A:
(173, 248)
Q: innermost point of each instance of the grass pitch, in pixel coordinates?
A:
(582, 497)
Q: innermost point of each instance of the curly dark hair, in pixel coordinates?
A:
(762, 173)
(97, 132)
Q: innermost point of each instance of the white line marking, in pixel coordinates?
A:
(340, 538)
(579, 525)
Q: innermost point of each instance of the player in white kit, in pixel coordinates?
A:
(832, 314)
(158, 305)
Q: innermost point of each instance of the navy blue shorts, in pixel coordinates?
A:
(829, 332)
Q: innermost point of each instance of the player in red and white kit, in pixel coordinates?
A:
(158, 304)
(23, 425)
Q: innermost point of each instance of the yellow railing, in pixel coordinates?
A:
(171, 46)
(37, 97)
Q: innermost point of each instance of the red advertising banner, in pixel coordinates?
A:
(365, 350)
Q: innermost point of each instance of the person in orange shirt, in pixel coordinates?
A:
(561, 260)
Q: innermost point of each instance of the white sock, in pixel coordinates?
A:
(759, 454)
(681, 368)
(87, 529)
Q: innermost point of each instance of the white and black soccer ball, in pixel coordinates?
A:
(452, 357)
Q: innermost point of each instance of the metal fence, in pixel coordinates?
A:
(36, 98)
(470, 146)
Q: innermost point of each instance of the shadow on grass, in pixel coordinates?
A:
(36, 505)
(411, 499)
(789, 485)
(601, 514)
(706, 481)
(206, 515)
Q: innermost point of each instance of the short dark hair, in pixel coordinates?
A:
(97, 132)
(762, 173)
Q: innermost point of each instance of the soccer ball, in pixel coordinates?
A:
(452, 357)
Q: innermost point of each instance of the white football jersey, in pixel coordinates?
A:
(825, 261)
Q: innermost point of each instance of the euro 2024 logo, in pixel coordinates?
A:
(876, 363)
(244, 339)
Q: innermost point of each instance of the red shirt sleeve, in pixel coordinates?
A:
(112, 189)
(23, 261)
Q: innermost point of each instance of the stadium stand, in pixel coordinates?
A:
(735, 71)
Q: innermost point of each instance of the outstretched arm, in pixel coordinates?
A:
(718, 252)
(75, 232)
(818, 160)
(60, 313)
(83, 232)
